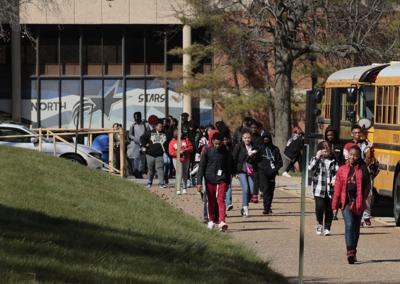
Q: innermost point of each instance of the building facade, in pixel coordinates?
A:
(96, 62)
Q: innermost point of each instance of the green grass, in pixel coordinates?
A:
(61, 222)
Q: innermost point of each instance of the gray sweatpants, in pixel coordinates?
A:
(155, 164)
(184, 171)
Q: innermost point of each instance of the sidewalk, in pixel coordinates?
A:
(276, 238)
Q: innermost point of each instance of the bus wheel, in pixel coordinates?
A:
(396, 199)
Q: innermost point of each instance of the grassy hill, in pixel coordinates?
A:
(61, 222)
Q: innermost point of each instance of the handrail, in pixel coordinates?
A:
(52, 133)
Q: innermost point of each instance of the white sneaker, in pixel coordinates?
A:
(319, 229)
(285, 174)
(222, 226)
(210, 225)
(178, 192)
(245, 211)
(184, 191)
(327, 232)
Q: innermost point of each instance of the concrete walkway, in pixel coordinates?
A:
(276, 238)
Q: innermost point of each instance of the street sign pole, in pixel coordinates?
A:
(304, 175)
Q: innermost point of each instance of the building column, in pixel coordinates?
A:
(187, 61)
(16, 103)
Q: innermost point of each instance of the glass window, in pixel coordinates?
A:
(29, 101)
(156, 98)
(92, 52)
(28, 57)
(378, 108)
(112, 53)
(134, 99)
(396, 105)
(366, 102)
(175, 99)
(134, 52)
(93, 103)
(69, 51)
(113, 102)
(70, 102)
(48, 52)
(49, 103)
(155, 52)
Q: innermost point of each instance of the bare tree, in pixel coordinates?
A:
(262, 39)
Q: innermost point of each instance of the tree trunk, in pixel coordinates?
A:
(283, 88)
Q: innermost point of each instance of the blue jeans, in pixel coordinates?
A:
(167, 167)
(352, 227)
(247, 184)
(228, 195)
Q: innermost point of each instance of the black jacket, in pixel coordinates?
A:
(155, 143)
(215, 166)
(261, 158)
(294, 147)
(240, 157)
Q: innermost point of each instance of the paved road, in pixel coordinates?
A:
(276, 238)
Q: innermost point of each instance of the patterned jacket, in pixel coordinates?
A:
(323, 179)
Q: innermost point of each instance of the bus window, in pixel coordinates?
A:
(366, 103)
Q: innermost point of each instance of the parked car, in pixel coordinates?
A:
(63, 150)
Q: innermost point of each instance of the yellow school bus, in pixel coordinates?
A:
(369, 96)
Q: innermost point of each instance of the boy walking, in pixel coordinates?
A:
(215, 168)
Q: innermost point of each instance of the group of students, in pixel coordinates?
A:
(250, 156)
(343, 178)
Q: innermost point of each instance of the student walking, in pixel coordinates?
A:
(324, 166)
(352, 182)
(134, 153)
(269, 163)
(228, 197)
(215, 168)
(244, 158)
(155, 143)
(185, 151)
(293, 150)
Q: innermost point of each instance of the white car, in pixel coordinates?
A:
(63, 150)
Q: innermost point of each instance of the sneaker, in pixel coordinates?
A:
(205, 220)
(184, 191)
(163, 186)
(318, 230)
(245, 211)
(229, 208)
(178, 192)
(367, 222)
(254, 198)
(148, 186)
(285, 174)
(222, 226)
(327, 232)
(210, 225)
(265, 212)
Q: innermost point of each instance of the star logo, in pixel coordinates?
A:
(109, 100)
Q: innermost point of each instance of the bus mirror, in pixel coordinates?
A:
(365, 123)
(319, 94)
(352, 96)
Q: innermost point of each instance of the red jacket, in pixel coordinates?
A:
(340, 192)
(185, 145)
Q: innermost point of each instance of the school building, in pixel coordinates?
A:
(96, 62)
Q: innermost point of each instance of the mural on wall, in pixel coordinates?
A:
(110, 106)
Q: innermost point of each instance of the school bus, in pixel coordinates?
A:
(369, 96)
